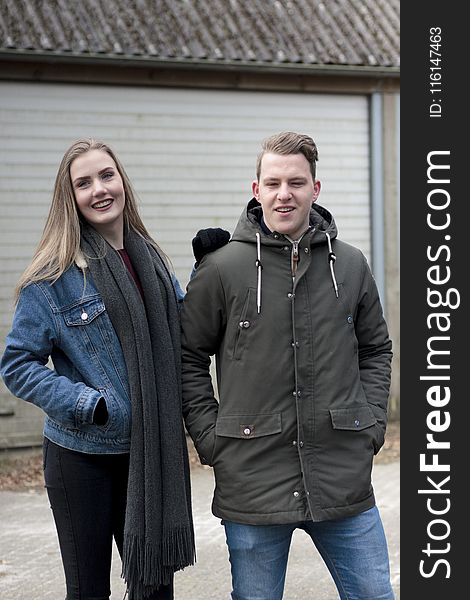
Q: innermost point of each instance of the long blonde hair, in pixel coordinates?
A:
(59, 246)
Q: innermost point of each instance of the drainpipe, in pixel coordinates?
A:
(397, 137)
(377, 194)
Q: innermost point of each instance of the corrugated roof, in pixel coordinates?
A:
(355, 33)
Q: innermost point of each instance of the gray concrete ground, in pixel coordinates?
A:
(30, 566)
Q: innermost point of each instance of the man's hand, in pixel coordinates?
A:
(208, 240)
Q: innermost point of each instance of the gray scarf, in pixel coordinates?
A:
(158, 532)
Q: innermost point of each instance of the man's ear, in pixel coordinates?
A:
(255, 189)
(316, 190)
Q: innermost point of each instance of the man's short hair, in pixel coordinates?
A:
(288, 142)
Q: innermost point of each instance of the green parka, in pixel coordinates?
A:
(303, 373)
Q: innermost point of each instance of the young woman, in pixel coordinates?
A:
(99, 300)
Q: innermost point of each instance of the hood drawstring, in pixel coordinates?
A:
(260, 268)
(331, 260)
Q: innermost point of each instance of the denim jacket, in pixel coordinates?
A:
(67, 322)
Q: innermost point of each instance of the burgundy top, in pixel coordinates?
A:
(130, 268)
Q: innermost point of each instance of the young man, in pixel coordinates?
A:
(293, 317)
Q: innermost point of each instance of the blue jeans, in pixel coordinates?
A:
(354, 549)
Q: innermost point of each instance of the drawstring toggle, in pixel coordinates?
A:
(331, 261)
(259, 268)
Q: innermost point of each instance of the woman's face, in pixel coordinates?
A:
(99, 192)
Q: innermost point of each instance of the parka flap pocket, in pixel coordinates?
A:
(248, 426)
(355, 418)
(83, 313)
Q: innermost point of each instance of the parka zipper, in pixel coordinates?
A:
(294, 258)
(295, 254)
(295, 344)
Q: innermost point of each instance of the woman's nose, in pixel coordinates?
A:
(98, 187)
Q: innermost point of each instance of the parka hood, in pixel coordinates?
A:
(321, 220)
(322, 231)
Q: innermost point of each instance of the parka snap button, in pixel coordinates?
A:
(296, 494)
(306, 250)
(301, 444)
(84, 316)
(290, 295)
(244, 324)
(350, 319)
(357, 422)
(294, 443)
(247, 431)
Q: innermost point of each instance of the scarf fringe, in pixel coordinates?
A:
(146, 567)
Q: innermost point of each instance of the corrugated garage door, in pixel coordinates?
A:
(190, 154)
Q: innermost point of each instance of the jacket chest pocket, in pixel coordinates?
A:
(84, 324)
(83, 313)
(243, 326)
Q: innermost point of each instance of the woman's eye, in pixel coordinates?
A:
(107, 175)
(82, 184)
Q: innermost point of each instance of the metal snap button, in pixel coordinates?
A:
(357, 423)
(84, 316)
(296, 494)
(247, 431)
(244, 324)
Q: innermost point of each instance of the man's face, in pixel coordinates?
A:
(286, 191)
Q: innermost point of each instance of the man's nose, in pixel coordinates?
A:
(284, 192)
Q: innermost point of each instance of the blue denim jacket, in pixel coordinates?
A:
(67, 322)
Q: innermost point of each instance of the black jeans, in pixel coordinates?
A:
(87, 493)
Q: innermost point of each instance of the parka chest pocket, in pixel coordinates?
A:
(244, 324)
(84, 313)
